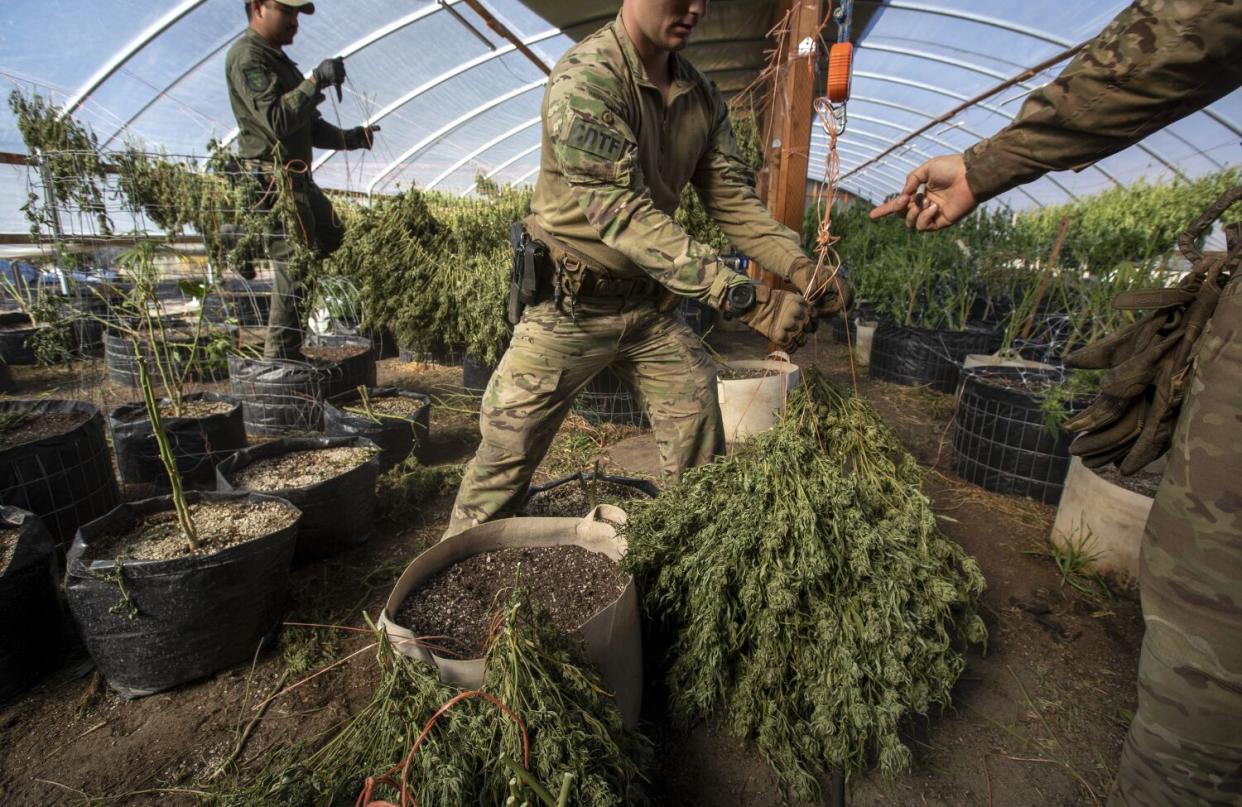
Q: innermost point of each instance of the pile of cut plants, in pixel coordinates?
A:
(813, 606)
(540, 731)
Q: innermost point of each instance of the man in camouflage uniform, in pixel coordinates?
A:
(279, 123)
(626, 124)
(1158, 61)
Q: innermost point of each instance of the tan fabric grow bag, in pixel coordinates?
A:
(612, 636)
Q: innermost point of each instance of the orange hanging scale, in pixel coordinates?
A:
(841, 62)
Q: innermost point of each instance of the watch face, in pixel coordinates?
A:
(742, 297)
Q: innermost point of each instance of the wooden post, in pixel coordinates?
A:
(787, 152)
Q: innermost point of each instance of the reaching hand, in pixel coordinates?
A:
(945, 199)
(330, 73)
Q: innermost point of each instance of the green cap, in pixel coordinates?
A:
(303, 6)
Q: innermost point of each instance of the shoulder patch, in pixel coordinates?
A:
(256, 78)
(595, 139)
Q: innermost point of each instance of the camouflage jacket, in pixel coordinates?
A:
(1157, 62)
(616, 157)
(274, 105)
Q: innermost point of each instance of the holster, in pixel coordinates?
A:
(575, 277)
(530, 279)
(1149, 362)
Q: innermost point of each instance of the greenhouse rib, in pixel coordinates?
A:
(449, 127)
(128, 52)
(942, 143)
(169, 87)
(495, 141)
(981, 19)
(368, 40)
(440, 79)
(512, 160)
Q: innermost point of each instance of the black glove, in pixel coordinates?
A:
(360, 137)
(330, 72)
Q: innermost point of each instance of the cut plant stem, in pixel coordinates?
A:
(166, 453)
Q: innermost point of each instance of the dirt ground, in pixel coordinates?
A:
(1038, 719)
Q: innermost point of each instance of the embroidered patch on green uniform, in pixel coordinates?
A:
(595, 139)
(256, 78)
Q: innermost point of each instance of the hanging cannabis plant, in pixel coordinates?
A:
(816, 607)
(73, 171)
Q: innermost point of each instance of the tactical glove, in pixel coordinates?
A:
(330, 73)
(781, 316)
(360, 137)
(831, 295)
(1132, 421)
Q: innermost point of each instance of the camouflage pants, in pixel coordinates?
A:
(1185, 743)
(551, 358)
(323, 229)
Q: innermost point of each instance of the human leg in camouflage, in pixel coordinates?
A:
(319, 224)
(550, 359)
(1185, 743)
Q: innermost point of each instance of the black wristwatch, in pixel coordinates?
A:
(739, 299)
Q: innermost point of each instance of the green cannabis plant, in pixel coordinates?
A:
(568, 722)
(814, 605)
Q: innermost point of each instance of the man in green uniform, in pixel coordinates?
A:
(1158, 61)
(279, 124)
(627, 123)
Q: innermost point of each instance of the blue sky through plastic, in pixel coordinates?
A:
(452, 106)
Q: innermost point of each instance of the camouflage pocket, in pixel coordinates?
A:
(519, 402)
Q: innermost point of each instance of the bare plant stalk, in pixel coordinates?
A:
(166, 454)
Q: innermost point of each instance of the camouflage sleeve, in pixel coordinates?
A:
(280, 115)
(1157, 62)
(726, 186)
(597, 153)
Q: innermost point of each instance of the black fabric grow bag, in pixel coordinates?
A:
(396, 436)
(16, 331)
(475, 375)
(195, 615)
(918, 356)
(337, 513)
(645, 488)
(608, 399)
(277, 397)
(198, 444)
(29, 607)
(1001, 440)
(66, 480)
(122, 364)
(341, 376)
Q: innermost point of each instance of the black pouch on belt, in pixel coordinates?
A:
(530, 279)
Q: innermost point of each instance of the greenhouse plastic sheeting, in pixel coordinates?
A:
(452, 106)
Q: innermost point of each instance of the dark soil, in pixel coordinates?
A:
(330, 354)
(8, 545)
(459, 603)
(396, 405)
(741, 374)
(300, 469)
(158, 536)
(1036, 719)
(1142, 483)
(189, 410)
(577, 498)
(41, 427)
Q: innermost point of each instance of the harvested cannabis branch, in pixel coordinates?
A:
(465, 756)
(815, 606)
